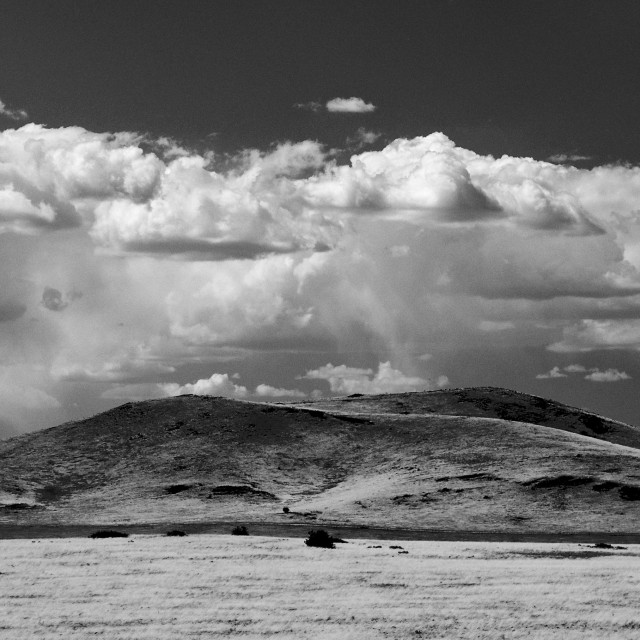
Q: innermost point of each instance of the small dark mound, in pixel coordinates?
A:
(19, 506)
(179, 488)
(240, 530)
(629, 492)
(108, 533)
(562, 482)
(355, 395)
(320, 538)
(176, 532)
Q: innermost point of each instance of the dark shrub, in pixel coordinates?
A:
(178, 488)
(108, 533)
(240, 530)
(628, 492)
(320, 538)
(176, 532)
(285, 509)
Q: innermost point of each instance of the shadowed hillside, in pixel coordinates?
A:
(460, 459)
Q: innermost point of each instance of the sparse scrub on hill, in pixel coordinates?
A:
(108, 533)
(240, 530)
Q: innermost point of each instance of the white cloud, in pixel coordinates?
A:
(362, 138)
(349, 105)
(589, 335)
(594, 374)
(267, 391)
(13, 114)
(553, 373)
(405, 249)
(610, 375)
(575, 368)
(564, 158)
(218, 384)
(347, 380)
(308, 106)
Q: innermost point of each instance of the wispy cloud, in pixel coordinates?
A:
(593, 374)
(13, 114)
(565, 158)
(308, 106)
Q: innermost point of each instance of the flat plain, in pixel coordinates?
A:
(209, 586)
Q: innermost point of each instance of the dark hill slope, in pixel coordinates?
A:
(488, 402)
(205, 459)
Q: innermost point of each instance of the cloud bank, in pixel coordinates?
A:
(187, 259)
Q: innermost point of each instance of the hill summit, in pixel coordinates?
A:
(463, 459)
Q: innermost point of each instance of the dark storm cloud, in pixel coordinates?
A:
(11, 311)
(53, 300)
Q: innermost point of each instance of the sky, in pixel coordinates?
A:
(285, 200)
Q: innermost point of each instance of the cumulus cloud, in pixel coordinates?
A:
(590, 334)
(575, 368)
(267, 391)
(13, 114)
(349, 105)
(346, 380)
(420, 245)
(218, 384)
(553, 373)
(593, 374)
(609, 375)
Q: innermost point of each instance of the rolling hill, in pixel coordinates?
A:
(466, 459)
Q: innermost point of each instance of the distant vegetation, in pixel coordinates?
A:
(320, 538)
(240, 530)
(109, 533)
(176, 532)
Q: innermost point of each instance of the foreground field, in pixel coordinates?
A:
(158, 588)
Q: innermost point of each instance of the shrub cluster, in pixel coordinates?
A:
(240, 530)
(320, 538)
(108, 533)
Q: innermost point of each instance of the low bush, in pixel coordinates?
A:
(240, 530)
(176, 532)
(108, 533)
(320, 538)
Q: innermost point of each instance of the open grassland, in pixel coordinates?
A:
(159, 588)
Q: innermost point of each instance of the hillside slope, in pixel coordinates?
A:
(192, 458)
(488, 402)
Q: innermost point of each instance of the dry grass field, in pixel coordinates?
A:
(159, 588)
